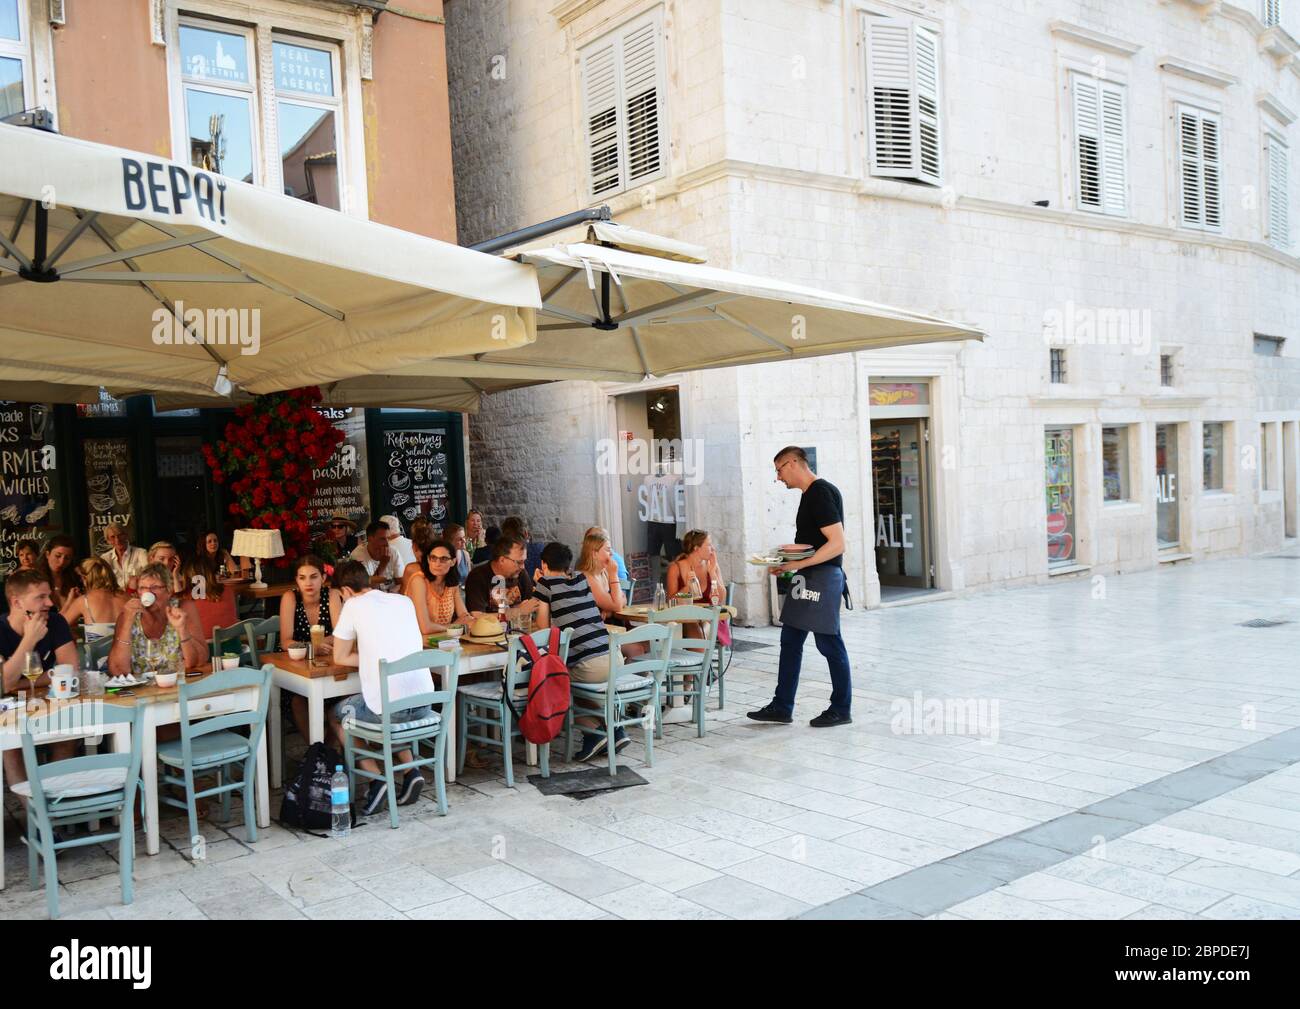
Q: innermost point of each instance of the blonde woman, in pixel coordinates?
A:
(596, 561)
(166, 554)
(100, 604)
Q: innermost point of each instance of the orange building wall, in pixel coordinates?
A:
(408, 125)
(111, 79)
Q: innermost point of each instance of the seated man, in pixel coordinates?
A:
(504, 573)
(567, 602)
(32, 626)
(372, 626)
(375, 556)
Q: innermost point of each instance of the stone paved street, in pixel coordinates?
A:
(1122, 748)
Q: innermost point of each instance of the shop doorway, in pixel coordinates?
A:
(651, 487)
(182, 492)
(1168, 483)
(900, 475)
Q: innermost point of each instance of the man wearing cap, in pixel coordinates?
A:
(397, 543)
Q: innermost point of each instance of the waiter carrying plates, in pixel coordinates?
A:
(813, 603)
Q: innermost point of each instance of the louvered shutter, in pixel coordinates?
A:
(642, 100)
(1198, 169)
(623, 102)
(1278, 222)
(600, 107)
(1100, 145)
(1271, 12)
(903, 124)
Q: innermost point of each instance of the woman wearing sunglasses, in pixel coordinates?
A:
(435, 590)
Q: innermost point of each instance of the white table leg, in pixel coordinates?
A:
(462, 669)
(316, 711)
(263, 791)
(149, 771)
(276, 730)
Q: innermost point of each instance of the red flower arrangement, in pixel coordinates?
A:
(267, 459)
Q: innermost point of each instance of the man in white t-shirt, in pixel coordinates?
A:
(372, 626)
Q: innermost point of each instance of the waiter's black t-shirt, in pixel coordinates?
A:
(821, 506)
(57, 634)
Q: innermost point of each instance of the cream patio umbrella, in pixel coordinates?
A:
(125, 270)
(624, 305)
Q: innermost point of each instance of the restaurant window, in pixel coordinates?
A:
(1212, 440)
(222, 96)
(15, 75)
(1114, 463)
(1057, 363)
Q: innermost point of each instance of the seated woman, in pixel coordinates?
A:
(213, 600)
(435, 590)
(696, 570)
(175, 630)
(211, 548)
(27, 552)
(312, 601)
(455, 535)
(99, 606)
(59, 564)
(596, 561)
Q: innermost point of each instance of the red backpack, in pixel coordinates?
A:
(548, 692)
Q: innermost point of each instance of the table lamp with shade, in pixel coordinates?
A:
(259, 544)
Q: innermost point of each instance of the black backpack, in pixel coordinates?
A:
(307, 804)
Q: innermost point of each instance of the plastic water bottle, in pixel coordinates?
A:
(340, 807)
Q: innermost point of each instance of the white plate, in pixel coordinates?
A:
(123, 681)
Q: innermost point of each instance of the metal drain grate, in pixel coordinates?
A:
(1263, 622)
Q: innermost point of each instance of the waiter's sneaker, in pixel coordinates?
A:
(828, 718)
(770, 714)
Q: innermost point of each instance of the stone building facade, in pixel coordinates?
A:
(1103, 187)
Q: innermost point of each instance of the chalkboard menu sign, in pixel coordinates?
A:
(110, 492)
(415, 472)
(341, 485)
(27, 476)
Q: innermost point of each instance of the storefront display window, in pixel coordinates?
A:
(1212, 455)
(1167, 486)
(1059, 478)
(1114, 463)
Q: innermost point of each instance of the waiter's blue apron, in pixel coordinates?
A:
(813, 602)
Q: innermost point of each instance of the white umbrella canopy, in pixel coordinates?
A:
(140, 274)
(611, 313)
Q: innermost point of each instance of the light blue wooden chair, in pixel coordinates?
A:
(628, 585)
(80, 790)
(244, 632)
(390, 736)
(723, 656)
(638, 680)
(484, 717)
(266, 637)
(690, 658)
(210, 746)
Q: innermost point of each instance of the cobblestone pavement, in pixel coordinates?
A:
(1100, 748)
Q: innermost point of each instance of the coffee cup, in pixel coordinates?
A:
(147, 599)
(64, 682)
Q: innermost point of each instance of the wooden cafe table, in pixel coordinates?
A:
(321, 683)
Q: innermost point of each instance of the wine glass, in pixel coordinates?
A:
(32, 670)
(152, 657)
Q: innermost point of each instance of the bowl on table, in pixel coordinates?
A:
(230, 662)
(296, 651)
(165, 680)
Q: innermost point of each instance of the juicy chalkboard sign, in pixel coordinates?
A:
(109, 496)
(415, 473)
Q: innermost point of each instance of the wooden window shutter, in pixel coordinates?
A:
(1279, 209)
(1100, 145)
(903, 121)
(600, 109)
(642, 101)
(1200, 201)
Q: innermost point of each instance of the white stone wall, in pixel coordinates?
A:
(768, 172)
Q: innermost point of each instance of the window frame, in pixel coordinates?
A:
(1053, 355)
(22, 51)
(248, 91)
(1225, 455)
(614, 37)
(1126, 464)
(297, 21)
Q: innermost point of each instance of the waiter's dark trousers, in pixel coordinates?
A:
(787, 677)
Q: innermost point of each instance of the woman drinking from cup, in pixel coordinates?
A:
(153, 631)
(311, 603)
(435, 591)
